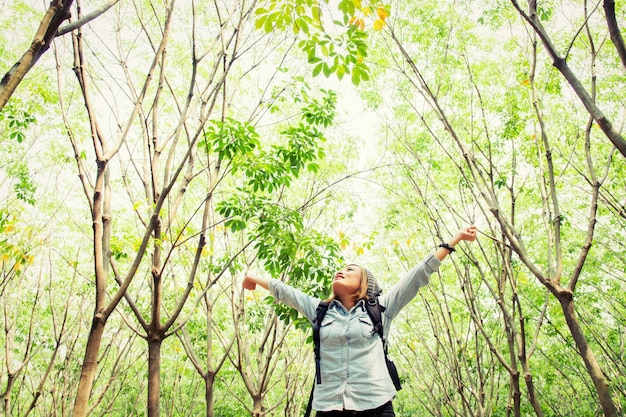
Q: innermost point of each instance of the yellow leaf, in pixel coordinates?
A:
(367, 11)
(9, 228)
(382, 13)
(522, 278)
(360, 250)
(378, 24)
(352, 20)
(357, 3)
(316, 13)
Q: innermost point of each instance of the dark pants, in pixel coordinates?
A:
(385, 410)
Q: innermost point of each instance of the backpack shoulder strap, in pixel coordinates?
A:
(375, 311)
(320, 312)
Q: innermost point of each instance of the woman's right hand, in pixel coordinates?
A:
(467, 234)
(249, 283)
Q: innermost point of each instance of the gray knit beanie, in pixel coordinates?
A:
(373, 289)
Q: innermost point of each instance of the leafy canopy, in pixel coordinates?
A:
(342, 52)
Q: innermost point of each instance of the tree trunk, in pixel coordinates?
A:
(7, 395)
(524, 357)
(530, 387)
(597, 376)
(257, 408)
(516, 393)
(209, 381)
(154, 376)
(90, 366)
(90, 362)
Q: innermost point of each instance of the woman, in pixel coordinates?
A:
(355, 380)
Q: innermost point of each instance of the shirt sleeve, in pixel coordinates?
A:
(406, 289)
(294, 298)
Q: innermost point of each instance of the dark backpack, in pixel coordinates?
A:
(374, 310)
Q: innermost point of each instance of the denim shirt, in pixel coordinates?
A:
(353, 370)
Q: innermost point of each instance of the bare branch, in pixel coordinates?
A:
(616, 36)
(87, 18)
(561, 64)
(57, 13)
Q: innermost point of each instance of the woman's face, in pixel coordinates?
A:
(347, 282)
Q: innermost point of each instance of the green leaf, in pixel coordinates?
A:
(260, 22)
(318, 69)
(268, 25)
(356, 76)
(326, 70)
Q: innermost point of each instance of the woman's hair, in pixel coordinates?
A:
(361, 293)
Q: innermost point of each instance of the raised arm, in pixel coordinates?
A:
(467, 233)
(406, 289)
(250, 282)
(284, 293)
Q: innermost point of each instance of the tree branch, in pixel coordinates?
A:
(86, 19)
(616, 37)
(57, 12)
(561, 64)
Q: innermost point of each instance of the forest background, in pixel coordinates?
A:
(154, 152)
